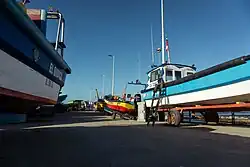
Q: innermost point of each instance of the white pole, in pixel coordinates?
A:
(113, 74)
(90, 95)
(103, 87)
(162, 33)
(152, 45)
(139, 67)
(113, 78)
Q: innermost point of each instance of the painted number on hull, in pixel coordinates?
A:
(49, 83)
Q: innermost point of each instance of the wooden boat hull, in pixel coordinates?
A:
(122, 107)
(224, 83)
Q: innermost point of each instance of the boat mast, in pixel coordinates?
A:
(163, 40)
(162, 34)
(152, 46)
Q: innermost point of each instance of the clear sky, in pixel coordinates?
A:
(200, 32)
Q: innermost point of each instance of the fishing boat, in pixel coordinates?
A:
(117, 104)
(32, 69)
(182, 85)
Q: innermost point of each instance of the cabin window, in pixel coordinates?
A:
(189, 73)
(155, 75)
(177, 74)
(169, 75)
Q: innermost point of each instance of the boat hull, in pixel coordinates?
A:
(226, 86)
(220, 95)
(31, 70)
(120, 106)
(20, 81)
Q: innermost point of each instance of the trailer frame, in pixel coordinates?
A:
(209, 112)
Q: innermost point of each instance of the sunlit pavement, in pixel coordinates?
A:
(89, 139)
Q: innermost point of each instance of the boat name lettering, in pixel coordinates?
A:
(58, 74)
(48, 82)
(55, 71)
(152, 84)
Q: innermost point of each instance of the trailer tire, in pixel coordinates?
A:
(174, 118)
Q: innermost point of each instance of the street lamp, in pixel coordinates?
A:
(113, 74)
(90, 94)
(103, 87)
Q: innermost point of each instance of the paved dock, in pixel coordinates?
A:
(88, 139)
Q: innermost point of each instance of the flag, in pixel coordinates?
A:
(167, 47)
(26, 1)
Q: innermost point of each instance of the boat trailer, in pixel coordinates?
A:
(114, 113)
(175, 114)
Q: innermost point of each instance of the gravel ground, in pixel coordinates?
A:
(87, 139)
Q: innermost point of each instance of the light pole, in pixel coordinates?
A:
(90, 94)
(113, 74)
(103, 86)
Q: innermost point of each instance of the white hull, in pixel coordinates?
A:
(237, 92)
(24, 82)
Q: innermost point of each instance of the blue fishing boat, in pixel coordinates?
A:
(32, 69)
(182, 85)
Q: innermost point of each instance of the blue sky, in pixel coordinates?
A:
(203, 33)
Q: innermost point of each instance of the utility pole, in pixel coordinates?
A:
(113, 73)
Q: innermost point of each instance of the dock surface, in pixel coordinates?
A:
(89, 139)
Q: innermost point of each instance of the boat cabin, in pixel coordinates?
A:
(168, 72)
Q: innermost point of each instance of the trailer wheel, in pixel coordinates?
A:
(174, 118)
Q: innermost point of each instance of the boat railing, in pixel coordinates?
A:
(59, 43)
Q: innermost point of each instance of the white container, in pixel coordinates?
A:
(141, 111)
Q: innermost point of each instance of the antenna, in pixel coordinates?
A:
(139, 66)
(152, 46)
(162, 33)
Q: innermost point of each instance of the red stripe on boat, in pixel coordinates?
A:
(119, 108)
(25, 96)
(35, 17)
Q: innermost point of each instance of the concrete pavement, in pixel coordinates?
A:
(83, 139)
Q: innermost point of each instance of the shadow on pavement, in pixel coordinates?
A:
(62, 119)
(120, 146)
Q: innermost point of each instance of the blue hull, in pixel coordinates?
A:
(218, 76)
(19, 36)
